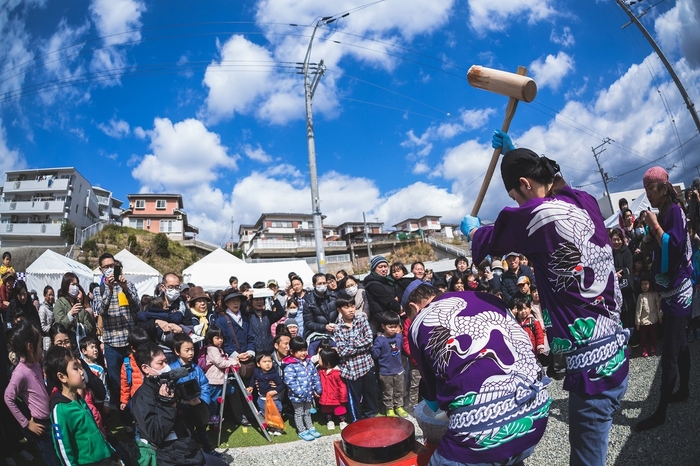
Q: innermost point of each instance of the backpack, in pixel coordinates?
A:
(202, 359)
(127, 369)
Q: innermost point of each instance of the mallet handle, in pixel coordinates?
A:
(510, 112)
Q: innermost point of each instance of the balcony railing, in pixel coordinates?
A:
(30, 229)
(292, 245)
(56, 184)
(32, 206)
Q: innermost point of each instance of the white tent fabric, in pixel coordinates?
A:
(49, 268)
(213, 271)
(144, 277)
(639, 204)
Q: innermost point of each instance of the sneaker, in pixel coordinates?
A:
(330, 425)
(645, 354)
(214, 453)
(390, 413)
(652, 352)
(401, 412)
(306, 436)
(312, 410)
(214, 420)
(315, 433)
(245, 421)
(276, 433)
(343, 425)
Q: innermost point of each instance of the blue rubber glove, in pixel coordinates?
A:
(468, 224)
(502, 140)
(432, 404)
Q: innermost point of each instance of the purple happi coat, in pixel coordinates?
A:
(477, 363)
(672, 264)
(564, 237)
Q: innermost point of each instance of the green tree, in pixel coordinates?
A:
(68, 232)
(160, 245)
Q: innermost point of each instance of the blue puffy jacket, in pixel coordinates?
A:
(301, 378)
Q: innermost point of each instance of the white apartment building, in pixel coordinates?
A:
(110, 207)
(36, 202)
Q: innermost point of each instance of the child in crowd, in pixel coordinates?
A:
(196, 411)
(131, 377)
(27, 383)
(292, 327)
(648, 316)
(472, 282)
(303, 383)
(266, 381)
(386, 351)
(335, 392)
(523, 313)
(216, 363)
(76, 436)
(46, 314)
(91, 352)
(536, 310)
(6, 264)
(353, 335)
(524, 291)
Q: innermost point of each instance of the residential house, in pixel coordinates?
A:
(159, 213)
(426, 223)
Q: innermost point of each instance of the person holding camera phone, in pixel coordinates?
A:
(69, 309)
(160, 430)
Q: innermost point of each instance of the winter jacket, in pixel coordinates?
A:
(648, 308)
(5, 296)
(158, 419)
(246, 337)
(261, 382)
(319, 311)
(76, 437)
(219, 361)
(387, 352)
(61, 314)
(198, 375)
(129, 370)
(623, 262)
(534, 330)
(260, 326)
(301, 379)
(381, 295)
(335, 392)
(27, 309)
(509, 282)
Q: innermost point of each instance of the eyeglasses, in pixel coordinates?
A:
(173, 287)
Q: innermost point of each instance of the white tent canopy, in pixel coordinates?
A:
(144, 277)
(213, 271)
(49, 268)
(639, 204)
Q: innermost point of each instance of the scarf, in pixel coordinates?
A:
(388, 277)
(202, 319)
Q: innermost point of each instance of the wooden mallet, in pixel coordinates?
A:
(518, 87)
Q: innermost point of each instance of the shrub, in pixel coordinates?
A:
(90, 247)
(160, 245)
(68, 232)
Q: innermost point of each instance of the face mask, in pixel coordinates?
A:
(351, 290)
(109, 272)
(639, 231)
(172, 295)
(292, 312)
(73, 291)
(165, 369)
(497, 272)
(321, 289)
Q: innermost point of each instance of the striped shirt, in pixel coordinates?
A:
(118, 316)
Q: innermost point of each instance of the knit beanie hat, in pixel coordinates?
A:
(291, 323)
(376, 260)
(655, 175)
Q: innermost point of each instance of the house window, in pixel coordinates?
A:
(140, 204)
(136, 223)
(160, 204)
(166, 226)
(281, 224)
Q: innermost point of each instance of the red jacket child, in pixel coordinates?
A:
(335, 392)
(406, 349)
(131, 379)
(534, 331)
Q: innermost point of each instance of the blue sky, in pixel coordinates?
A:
(203, 99)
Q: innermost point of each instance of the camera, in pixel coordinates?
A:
(186, 391)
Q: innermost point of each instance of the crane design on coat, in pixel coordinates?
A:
(447, 326)
(576, 254)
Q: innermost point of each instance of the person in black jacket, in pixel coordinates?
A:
(155, 411)
(320, 313)
(380, 290)
(509, 278)
(622, 257)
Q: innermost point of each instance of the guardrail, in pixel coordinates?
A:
(447, 247)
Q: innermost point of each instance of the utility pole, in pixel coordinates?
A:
(231, 233)
(369, 248)
(603, 173)
(664, 60)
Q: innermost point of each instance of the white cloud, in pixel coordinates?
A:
(256, 153)
(15, 54)
(420, 168)
(552, 70)
(565, 39)
(116, 128)
(117, 23)
(61, 60)
(487, 15)
(10, 159)
(678, 30)
(185, 155)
